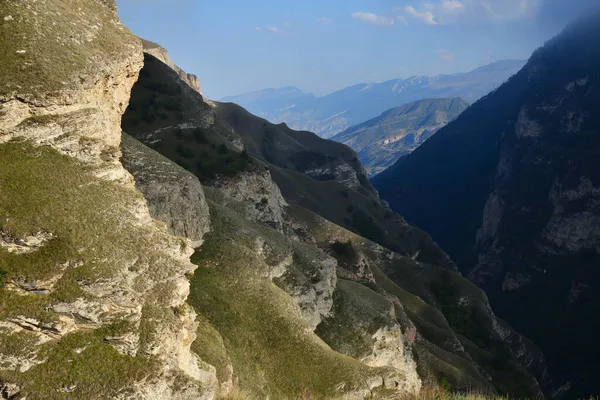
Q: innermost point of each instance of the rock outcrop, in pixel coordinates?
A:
(516, 201)
(160, 53)
(174, 195)
(103, 285)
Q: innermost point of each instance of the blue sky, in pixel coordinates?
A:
(236, 46)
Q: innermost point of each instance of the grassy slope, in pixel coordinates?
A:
(432, 298)
(91, 223)
(160, 101)
(269, 345)
(37, 31)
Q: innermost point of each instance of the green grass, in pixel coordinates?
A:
(265, 338)
(96, 234)
(54, 36)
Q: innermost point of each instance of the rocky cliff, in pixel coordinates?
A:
(517, 205)
(278, 284)
(93, 290)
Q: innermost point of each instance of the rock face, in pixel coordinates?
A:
(381, 141)
(174, 196)
(517, 206)
(161, 54)
(91, 279)
(255, 194)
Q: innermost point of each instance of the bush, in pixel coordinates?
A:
(223, 149)
(3, 275)
(198, 135)
(345, 250)
(178, 133)
(184, 151)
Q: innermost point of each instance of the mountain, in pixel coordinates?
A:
(196, 256)
(510, 190)
(335, 112)
(270, 100)
(380, 141)
(303, 253)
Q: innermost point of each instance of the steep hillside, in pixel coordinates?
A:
(92, 289)
(336, 112)
(381, 141)
(207, 138)
(291, 304)
(515, 201)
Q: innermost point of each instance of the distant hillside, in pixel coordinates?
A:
(381, 141)
(332, 114)
(511, 190)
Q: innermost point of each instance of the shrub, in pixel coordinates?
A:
(222, 149)
(178, 133)
(3, 275)
(184, 151)
(198, 135)
(344, 250)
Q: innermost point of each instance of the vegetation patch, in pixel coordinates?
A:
(268, 344)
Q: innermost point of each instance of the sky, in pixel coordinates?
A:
(238, 46)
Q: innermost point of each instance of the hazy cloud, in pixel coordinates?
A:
(424, 16)
(325, 20)
(373, 18)
(272, 29)
(446, 55)
(456, 11)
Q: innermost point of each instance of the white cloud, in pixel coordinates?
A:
(434, 12)
(325, 20)
(271, 29)
(452, 6)
(274, 29)
(373, 18)
(402, 19)
(426, 17)
(446, 55)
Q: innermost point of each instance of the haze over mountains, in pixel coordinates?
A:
(335, 112)
(380, 141)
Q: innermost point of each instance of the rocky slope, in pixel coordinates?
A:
(381, 141)
(338, 111)
(291, 304)
(517, 204)
(92, 298)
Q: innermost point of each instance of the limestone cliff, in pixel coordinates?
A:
(515, 203)
(93, 301)
(161, 54)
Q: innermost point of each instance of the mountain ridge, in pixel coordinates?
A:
(381, 141)
(330, 114)
(515, 201)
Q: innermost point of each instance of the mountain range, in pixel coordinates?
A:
(380, 142)
(510, 190)
(155, 244)
(335, 112)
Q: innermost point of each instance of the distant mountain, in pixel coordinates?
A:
(381, 141)
(511, 190)
(332, 114)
